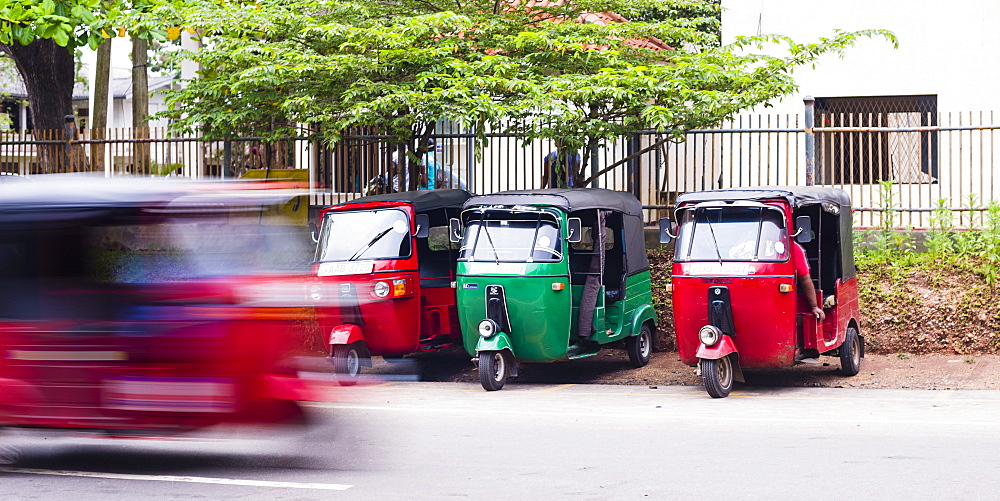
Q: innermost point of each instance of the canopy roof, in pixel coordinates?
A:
(797, 196)
(422, 200)
(577, 199)
(568, 199)
(66, 199)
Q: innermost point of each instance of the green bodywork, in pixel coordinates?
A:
(543, 320)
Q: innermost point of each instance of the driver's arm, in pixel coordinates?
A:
(805, 281)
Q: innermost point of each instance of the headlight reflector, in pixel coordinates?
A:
(488, 328)
(381, 289)
(709, 335)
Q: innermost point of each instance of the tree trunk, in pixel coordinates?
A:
(99, 115)
(48, 72)
(140, 104)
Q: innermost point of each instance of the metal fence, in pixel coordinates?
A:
(896, 164)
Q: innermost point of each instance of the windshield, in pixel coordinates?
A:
(731, 234)
(370, 234)
(504, 236)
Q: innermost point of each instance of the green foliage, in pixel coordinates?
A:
(939, 240)
(77, 23)
(975, 248)
(402, 66)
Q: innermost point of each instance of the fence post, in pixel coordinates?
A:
(810, 103)
(632, 147)
(227, 158)
(593, 167)
(69, 130)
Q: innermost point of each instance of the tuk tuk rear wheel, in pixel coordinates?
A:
(494, 367)
(718, 376)
(346, 364)
(850, 353)
(640, 348)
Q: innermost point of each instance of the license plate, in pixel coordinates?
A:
(345, 268)
(169, 394)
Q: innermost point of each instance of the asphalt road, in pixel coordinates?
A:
(410, 440)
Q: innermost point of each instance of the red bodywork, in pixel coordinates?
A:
(423, 318)
(153, 359)
(772, 328)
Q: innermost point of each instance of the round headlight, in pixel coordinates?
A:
(381, 289)
(316, 293)
(709, 335)
(488, 328)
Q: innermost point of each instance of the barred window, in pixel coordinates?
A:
(902, 155)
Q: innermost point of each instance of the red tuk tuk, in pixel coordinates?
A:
(739, 299)
(140, 307)
(385, 266)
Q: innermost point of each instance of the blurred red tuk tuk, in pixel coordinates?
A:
(385, 266)
(740, 301)
(146, 307)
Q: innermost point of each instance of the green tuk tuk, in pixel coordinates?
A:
(551, 274)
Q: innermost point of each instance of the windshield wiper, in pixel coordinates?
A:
(715, 242)
(760, 229)
(482, 230)
(486, 230)
(370, 243)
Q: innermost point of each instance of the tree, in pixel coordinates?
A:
(41, 36)
(486, 64)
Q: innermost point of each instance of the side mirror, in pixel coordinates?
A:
(575, 229)
(665, 235)
(314, 232)
(803, 230)
(423, 225)
(454, 230)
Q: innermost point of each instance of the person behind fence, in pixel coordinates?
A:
(559, 168)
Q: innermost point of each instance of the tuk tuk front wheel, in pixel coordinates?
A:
(850, 353)
(346, 364)
(494, 367)
(640, 348)
(718, 376)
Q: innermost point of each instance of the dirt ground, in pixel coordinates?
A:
(611, 366)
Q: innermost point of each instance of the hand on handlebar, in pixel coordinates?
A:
(820, 316)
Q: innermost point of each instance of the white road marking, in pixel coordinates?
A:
(171, 478)
(660, 414)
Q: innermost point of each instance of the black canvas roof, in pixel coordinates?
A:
(568, 199)
(422, 200)
(578, 199)
(797, 196)
(65, 199)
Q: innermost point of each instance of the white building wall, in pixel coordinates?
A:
(945, 48)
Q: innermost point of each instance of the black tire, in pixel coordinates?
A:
(850, 353)
(718, 376)
(494, 367)
(640, 348)
(346, 364)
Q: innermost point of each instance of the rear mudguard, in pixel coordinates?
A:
(499, 341)
(724, 348)
(643, 314)
(346, 334)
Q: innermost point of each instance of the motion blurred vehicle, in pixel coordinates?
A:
(146, 307)
(736, 296)
(552, 274)
(385, 268)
